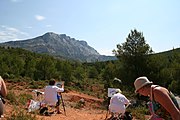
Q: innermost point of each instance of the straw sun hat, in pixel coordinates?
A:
(141, 82)
(118, 91)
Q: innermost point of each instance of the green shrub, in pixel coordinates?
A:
(6, 75)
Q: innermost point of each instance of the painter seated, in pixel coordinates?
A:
(118, 103)
(51, 94)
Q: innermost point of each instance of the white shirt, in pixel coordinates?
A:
(50, 94)
(117, 103)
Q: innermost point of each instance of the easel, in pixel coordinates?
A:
(63, 104)
(107, 108)
(59, 84)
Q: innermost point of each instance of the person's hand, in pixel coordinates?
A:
(128, 104)
(62, 84)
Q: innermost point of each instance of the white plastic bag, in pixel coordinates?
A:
(33, 105)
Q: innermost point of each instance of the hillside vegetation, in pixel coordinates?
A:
(16, 63)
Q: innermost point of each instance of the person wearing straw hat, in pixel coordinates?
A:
(163, 104)
(118, 103)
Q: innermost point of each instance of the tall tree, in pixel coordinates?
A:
(133, 54)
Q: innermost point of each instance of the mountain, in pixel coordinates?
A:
(60, 45)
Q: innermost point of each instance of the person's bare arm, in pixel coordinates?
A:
(3, 87)
(61, 89)
(62, 86)
(161, 96)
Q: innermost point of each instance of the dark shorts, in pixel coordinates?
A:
(58, 102)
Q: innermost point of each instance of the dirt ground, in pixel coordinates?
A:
(75, 114)
(91, 110)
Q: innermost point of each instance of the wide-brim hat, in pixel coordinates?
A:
(141, 82)
(118, 91)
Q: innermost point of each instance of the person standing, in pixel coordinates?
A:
(163, 104)
(3, 93)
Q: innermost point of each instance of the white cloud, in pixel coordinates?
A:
(11, 34)
(39, 17)
(105, 52)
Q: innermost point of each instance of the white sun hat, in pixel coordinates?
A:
(118, 91)
(141, 82)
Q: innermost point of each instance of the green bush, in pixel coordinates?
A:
(6, 75)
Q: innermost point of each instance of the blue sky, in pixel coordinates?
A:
(101, 23)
